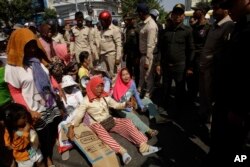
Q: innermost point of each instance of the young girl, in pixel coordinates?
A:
(20, 136)
(84, 64)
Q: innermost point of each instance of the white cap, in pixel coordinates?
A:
(88, 18)
(155, 13)
(67, 81)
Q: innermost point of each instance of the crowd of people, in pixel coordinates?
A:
(52, 79)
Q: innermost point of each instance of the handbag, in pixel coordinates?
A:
(108, 123)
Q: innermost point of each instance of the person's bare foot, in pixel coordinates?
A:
(49, 162)
(153, 132)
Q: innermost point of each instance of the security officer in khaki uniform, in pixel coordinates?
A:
(147, 42)
(110, 43)
(93, 32)
(80, 40)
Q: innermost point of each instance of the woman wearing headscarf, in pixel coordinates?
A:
(125, 90)
(70, 65)
(30, 85)
(96, 104)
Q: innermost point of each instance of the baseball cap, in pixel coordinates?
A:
(179, 7)
(143, 8)
(88, 18)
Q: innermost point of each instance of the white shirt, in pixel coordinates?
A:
(22, 78)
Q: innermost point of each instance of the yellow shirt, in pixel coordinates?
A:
(83, 72)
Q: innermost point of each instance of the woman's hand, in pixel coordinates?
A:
(71, 133)
(129, 104)
(35, 115)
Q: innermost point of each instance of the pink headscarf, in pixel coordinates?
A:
(62, 52)
(91, 86)
(120, 87)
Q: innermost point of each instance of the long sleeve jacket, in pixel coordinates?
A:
(177, 45)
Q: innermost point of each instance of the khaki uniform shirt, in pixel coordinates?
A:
(98, 109)
(82, 40)
(111, 41)
(95, 41)
(58, 38)
(148, 38)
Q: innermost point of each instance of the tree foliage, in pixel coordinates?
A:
(49, 14)
(129, 6)
(13, 11)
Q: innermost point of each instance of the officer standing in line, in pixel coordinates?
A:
(110, 44)
(148, 37)
(154, 13)
(177, 54)
(93, 33)
(217, 39)
(80, 39)
(200, 31)
(230, 119)
(131, 46)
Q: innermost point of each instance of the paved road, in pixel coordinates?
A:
(181, 148)
(182, 141)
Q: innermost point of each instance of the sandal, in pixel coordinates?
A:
(126, 158)
(151, 150)
(153, 132)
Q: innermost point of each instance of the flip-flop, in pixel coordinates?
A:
(151, 150)
(126, 158)
(65, 155)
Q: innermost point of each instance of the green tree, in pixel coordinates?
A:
(13, 11)
(129, 6)
(49, 14)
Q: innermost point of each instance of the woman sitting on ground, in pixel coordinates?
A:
(123, 91)
(96, 104)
